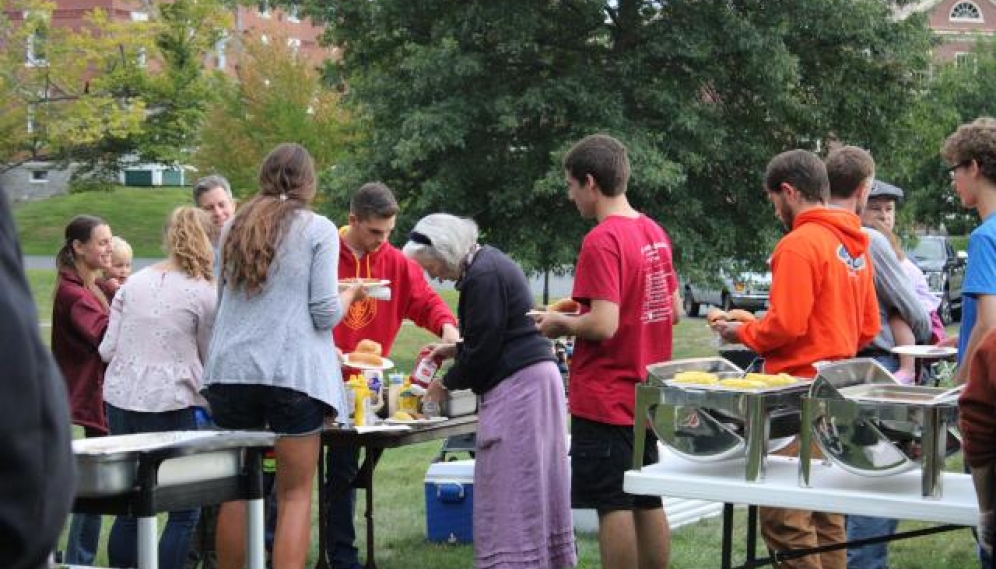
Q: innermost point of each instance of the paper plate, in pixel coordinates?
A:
(367, 283)
(426, 421)
(545, 312)
(925, 351)
(388, 364)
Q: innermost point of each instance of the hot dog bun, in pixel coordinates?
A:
(366, 358)
(369, 347)
(564, 305)
(715, 315)
(738, 315)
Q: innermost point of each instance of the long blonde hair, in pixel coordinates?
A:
(187, 242)
(286, 185)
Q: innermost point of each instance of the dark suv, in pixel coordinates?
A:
(945, 271)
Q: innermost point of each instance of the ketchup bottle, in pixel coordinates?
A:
(425, 368)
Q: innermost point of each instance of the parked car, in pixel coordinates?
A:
(747, 290)
(945, 271)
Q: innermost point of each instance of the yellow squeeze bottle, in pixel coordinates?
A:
(361, 399)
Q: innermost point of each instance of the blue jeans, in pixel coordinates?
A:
(341, 468)
(861, 527)
(874, 556)
(174, 544)
(84, 535)
(84, 529)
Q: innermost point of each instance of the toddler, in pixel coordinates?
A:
(120, 261)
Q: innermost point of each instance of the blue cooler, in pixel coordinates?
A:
(449, 501)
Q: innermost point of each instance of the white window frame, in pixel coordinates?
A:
(263, 8)
(962, 19)
(294, 44)
(41, 180)
(294, 13)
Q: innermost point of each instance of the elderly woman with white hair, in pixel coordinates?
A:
(522, 515)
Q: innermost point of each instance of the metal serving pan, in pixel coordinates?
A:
(879, 429)
(712, 423)
(107, 466)
(458, 403)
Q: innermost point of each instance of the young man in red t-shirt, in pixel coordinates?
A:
(628, 289)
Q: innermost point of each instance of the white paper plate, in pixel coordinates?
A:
(388, 364)
(545, 312)
(925, 351)
(426, 421)
(346, 283)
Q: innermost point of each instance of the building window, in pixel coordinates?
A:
(219, 48)
(965, 60)
(34, 52)
(294, 44)
(264, 39)
(294, 13)
(264, 9)
(139, 16)
(965, 12)
(39, 176)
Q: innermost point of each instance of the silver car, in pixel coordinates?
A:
(747, 290)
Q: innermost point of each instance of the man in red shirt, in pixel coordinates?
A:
(628, 289)
(365, 252)
(822, 306)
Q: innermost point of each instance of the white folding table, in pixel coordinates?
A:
(832, 490)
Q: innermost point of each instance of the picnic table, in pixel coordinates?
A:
(375, 441)
(832, 490)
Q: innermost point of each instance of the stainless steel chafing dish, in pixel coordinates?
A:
(868, 424)
(708, 423)
(108, 466)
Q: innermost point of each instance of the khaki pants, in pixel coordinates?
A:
(787, 530)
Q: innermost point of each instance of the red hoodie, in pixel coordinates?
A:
(822, 302)
(379, 320)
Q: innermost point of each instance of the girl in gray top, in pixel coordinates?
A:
(271, 362)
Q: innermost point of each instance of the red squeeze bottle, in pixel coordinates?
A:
(425, 368)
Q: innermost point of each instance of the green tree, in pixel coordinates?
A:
(63, 87)
(472, 104)
(110, 91)
(953, 95)
(277, 97)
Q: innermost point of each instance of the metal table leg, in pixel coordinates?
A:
(255, 528)
(727, 550)
(148, 543)
(324, 501)
(365, 480)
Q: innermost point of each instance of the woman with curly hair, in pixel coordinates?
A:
(272, 364)
(156, 342)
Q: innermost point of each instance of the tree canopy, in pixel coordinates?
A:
(470, 106)
(109, 91)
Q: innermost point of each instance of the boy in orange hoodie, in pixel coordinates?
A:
(822, 307)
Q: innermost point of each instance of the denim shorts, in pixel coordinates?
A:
(247, 407)
(600, 456)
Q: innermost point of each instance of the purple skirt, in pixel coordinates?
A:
(522, 506)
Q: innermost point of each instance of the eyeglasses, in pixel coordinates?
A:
(952, 170)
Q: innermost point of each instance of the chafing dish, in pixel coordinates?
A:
(868, 424)
(110, 465)
(708, 423)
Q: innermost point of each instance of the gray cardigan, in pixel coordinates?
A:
(282, 336)
(895, 294)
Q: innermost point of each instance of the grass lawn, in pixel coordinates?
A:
(400, 503)
(136, 214)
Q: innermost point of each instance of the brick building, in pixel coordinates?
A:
(959, 24)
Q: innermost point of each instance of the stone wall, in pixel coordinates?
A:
(34, 180)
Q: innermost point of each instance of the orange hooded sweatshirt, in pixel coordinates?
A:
(822, 300)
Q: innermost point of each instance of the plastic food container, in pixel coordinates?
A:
(458, 403)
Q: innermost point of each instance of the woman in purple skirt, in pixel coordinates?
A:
(522, 512)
